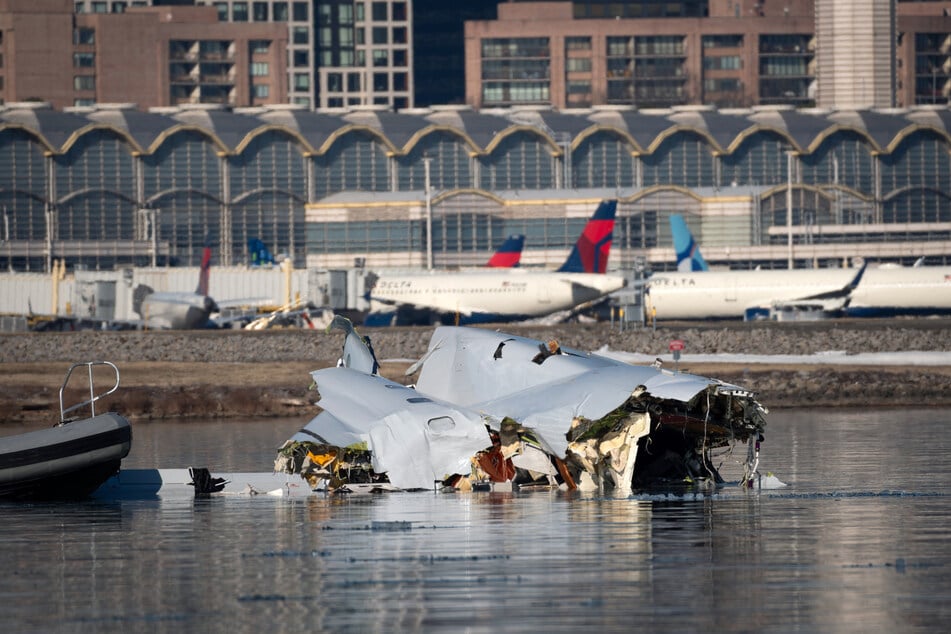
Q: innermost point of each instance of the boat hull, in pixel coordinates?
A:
(68, 461)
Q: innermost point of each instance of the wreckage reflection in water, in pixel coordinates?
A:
(857, 541)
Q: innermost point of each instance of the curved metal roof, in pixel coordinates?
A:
(645, 130)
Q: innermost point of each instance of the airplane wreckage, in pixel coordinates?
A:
(491, 410)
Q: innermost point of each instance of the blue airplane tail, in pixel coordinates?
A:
(259, 253)
(590, 253)
(687, 250)
(509, 253)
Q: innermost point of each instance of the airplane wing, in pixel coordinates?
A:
(828, 301)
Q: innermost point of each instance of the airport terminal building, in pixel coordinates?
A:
(110, 186)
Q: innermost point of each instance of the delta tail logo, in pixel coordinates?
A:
(509, 254)
(590, 254)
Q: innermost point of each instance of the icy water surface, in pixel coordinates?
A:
(858, 542)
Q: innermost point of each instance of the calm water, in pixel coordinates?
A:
(858, 542)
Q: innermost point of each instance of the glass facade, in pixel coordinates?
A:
(94, 192)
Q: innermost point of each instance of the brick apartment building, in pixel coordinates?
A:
(727, 53)
(150, 56)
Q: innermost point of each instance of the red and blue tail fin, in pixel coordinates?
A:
(590, 254)
(509, 253)
(687, 250)
(205, 271)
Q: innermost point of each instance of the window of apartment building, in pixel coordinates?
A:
(334, 82)
(335, 102)
(301, 81)
(300, 35)
(578, 87)
(400, 81)
(100, 7)
(118, 7)
(84, 60)
(323, 14)
(301, 13)
(354, 101)
(578, 64)
(301, 59)
(84, 102)
(360, 36)
(360, 14)
(259, 69)
(259, 12)
(399, 35)
(399, 58)
(515, 47)
(399, 11)
(578, 43)
(379, 11)
(722, 62)
(345, 14)
(353, 82)
(222, 8)
(379, 35)
(381, 81)
(84, 35)
(260, 47)
(279, 9)
(84, 82)
(381, 58)
(214, 49)
(239, 12)
(722, 41)
(726, 84)
(260, 91)
(359, 59)
(79, 6)
(381, 101)
(345, 37)
(302, 101)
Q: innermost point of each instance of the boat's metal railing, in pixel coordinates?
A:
(93, 397)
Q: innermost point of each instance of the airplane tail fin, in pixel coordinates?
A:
(260, 255)
(590, 254)
(687, 250)
(509, 253)
(205, 270)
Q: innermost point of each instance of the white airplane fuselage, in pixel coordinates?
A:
(886, 292)
(731, 294)
(495, 296)
(177, 311)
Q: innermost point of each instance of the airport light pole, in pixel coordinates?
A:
(789, 200)
(429, 214)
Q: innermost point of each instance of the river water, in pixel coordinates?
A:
(859, 541)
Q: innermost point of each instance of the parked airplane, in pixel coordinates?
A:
(485, 297)
(863, 292)
(177, 311)
(748, 295)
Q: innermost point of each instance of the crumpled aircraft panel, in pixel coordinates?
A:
(493, 407)
(415, 440)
